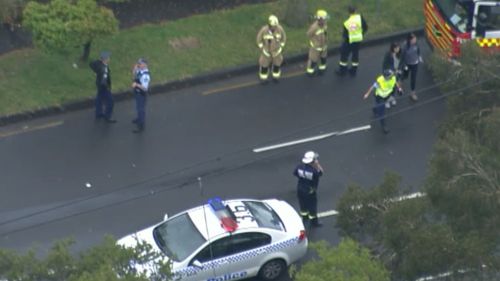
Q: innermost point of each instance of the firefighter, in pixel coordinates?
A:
(354, 30)
(308, 174)
(271, 40)
(385, 86)
(317, 35)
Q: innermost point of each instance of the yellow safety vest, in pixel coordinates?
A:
(354, 27)
(385, 87)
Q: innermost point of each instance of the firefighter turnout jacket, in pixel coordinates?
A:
(318, 37)
(271, 42)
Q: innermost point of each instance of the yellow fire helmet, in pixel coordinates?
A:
(273, 20)
(322, 15)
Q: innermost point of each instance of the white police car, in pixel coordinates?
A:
(228, 240)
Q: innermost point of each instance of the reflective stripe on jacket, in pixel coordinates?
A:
(317, 36)
(271, 43)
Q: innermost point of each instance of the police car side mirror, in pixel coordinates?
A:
(165, 217)
(197, 264)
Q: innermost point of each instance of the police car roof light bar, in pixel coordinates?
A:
(226, 217)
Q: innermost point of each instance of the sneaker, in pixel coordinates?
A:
(385, 130)
(393, 101)
(387, 104)
(110, 121)
(414, 96)
(139, 129)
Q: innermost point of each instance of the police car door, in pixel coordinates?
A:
(247, 251)
(206, 262)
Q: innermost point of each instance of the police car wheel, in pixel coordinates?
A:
(272, 269)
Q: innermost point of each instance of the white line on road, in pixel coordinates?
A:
(397, 199)
(353, 130)
(327, 214)
(315, 138)
(409, 196)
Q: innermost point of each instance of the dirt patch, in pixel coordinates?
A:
(184, 43)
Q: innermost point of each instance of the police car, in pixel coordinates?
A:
(228, 240)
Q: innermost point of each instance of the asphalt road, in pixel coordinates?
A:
(198, 144)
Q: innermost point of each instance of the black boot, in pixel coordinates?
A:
(315, 223)
(342, 70)
(353, 71)
(322, 66)
(276, 73)
(263, 74)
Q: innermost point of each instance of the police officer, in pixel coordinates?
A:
(271, 40)
(385, 86)
(354, 30)
(104, 98)
(317, 44)
(308, 174)
(140, 87)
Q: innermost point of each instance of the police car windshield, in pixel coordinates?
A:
(178, 237)
(264, 215)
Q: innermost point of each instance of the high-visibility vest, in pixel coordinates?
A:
(354, 27)
(385, 87)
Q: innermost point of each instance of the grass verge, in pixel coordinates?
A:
(30, 79)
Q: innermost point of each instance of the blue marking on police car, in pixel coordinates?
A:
(230, 276)
(191, 270)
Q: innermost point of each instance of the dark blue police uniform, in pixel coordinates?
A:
(142, 77)
(104, 99)
(308, 180)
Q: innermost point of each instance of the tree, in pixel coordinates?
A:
(11, 11)
(105, 262)
(347, 262)
(61, 25)
(454, 229)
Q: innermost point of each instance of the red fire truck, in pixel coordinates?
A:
(449, 23)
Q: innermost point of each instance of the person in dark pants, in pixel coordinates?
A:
(140, 87)
(308, 174)
(104, 98)
(411, 59)
(392, 61)
(354, 30)
(385, 86)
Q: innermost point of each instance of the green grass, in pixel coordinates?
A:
(30, 79)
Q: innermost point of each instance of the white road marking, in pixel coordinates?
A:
(353, 130)
(397, 199)
(409, 196)
(327, 214)
(315, 138)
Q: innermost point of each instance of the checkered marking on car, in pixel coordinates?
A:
(191, 270)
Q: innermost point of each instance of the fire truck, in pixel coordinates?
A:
(449, 23)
